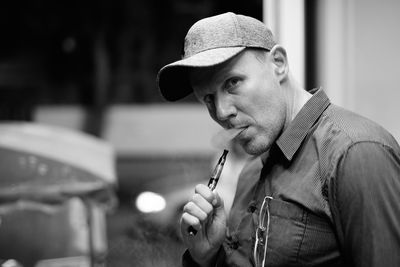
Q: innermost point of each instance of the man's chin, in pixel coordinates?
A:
(251, 149)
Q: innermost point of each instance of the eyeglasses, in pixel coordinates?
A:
(260, 246)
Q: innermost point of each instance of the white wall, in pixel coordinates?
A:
(359, 57)
(285, 18)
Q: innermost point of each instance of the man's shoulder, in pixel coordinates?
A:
(347, 128)
(339, 129)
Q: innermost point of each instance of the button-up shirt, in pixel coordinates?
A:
(333, 183)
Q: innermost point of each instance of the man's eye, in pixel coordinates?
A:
(232, 82)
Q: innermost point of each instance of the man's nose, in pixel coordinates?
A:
(224, 108)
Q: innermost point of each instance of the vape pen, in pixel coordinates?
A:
(212, 183)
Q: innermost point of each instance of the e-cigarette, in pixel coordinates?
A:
(212, 183)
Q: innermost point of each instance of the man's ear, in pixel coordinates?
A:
(279, 58)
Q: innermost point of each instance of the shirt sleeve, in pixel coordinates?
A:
(367, 205)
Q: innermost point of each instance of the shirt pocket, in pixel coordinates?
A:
(298, 237)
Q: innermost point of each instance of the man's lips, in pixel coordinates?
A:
(234, 132)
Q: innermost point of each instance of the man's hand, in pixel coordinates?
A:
(205, 213)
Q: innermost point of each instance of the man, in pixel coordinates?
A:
(325, 187)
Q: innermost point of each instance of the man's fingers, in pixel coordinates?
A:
(194, 210)
(205, 192)
(197, 211)
(188, 220)
(211, 197)
(202, 203)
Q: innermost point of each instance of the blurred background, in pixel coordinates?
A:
(90, 67)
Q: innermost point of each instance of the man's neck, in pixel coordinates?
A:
(297, 98)
(300, 99)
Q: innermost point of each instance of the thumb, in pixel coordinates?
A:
(218, 202)
(219, 216)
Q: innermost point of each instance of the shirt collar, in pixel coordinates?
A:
(291, 139)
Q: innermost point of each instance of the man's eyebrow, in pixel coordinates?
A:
(215, 74)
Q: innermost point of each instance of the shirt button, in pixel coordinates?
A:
(251, 209)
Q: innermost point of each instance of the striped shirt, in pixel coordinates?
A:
(334, 180)
(332, 183)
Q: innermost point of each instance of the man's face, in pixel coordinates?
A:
(244, 93)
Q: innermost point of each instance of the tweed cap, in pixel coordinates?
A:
(209, 42)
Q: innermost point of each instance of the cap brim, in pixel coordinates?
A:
(173, 81)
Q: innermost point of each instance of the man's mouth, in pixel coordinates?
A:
(235, 132)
